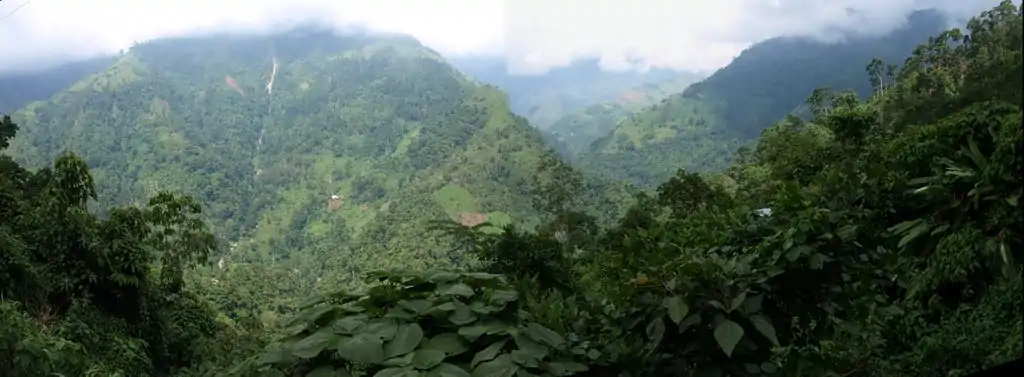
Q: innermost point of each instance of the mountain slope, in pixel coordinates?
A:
(545, 98)
(747, 91)
(20, 88)
(300, 144)
(700, 128)
(581, 127)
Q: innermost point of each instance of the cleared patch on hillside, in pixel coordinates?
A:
(471, 219)
(171, 140)
(455, 199)
(403, 145)
(230, 81)
(632, 96)
(334, 202)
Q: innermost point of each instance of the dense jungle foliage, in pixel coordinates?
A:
(876, 237)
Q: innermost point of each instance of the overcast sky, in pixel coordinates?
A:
(534, 34)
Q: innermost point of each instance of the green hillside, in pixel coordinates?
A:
(881, 236)
(648, 147)
(581, 127)
(334, 169)
(700, 128)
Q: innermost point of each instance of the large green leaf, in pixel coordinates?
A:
(443, 307)
(400, 361)
(728, 334)
(526, 344)
(503, 296)
(737, 301)
(655, 331)
(442, 277)
(397, 372)
(677, 309)
(474, 331)
(913, 233)
(311, 346)
(426, 358)
(765, 328)
(447, 370)
(481, 307)
(401, 314)
(361, 348)
(488, 353)
(274, 355)
(407, 337)
(451, 343)
(457, 289)
(483, 276)
(417, 306)
(526, 359)
(544, 334)
(462, 315)
(312, 316)
(501, 366)
(383, 328)
(350, 325)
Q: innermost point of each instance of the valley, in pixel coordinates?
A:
(316, 203)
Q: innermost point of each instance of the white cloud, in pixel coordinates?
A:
(692, 34)
(535, 34)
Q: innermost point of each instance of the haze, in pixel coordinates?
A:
(534, 35)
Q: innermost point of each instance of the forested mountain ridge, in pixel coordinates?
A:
(312, 152)
(700, 128)
(745, 91)
(892, 248)
(546, 98)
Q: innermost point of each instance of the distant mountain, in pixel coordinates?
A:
(544, 99)
(20, 88)
(323, 153)
(579, 128)
(700, 128)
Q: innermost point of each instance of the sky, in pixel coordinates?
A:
(534, 35)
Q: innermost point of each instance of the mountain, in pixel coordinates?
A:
(581, 127)
(889, 248)
(20, 88)
(311, 151)
(700, 128)
(545, 98)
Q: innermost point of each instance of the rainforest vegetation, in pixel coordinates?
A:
(435, 234)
